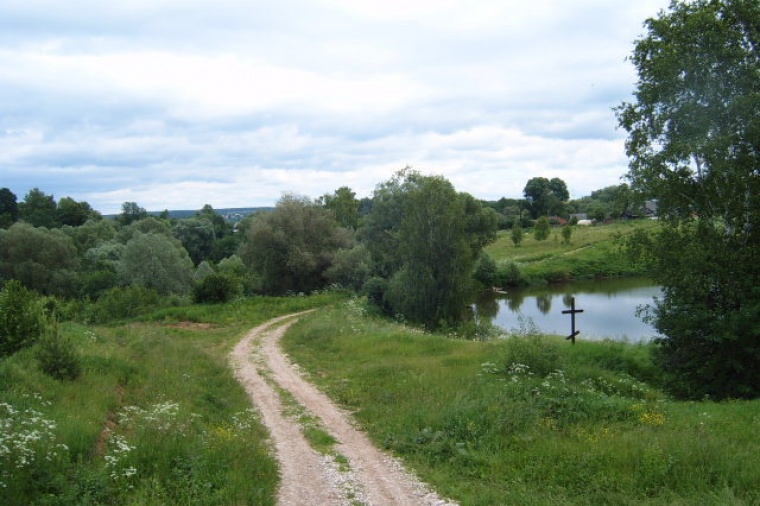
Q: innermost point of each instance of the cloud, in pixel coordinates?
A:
(174, 104)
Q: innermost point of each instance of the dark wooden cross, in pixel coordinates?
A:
(572, 311)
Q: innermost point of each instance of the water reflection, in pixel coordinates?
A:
(609, 309)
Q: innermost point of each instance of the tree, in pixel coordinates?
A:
(545, 196)
(9, 213)
(131, 212)
(694, 144)
(197, 235)
(39, 209)
(43, 260)
(156, 261)
(20, 318)
(73, 213)
(291, 247)
(345, 206)
(541, 229)
(517, 235)
(426, 237)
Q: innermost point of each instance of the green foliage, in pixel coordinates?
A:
(694, 147)
(121, 303)
(516, 235)
(72, 213)
(9, 213)
(350, 268)
(155, 261)
(485, 270)
(292, 247)
(424, 238)
(345, 206)
(130, 213)
(542, 228)
(57, 353)
(39, 209)
(217, 287)
(531, 352)
(567, 233)
(376, 288)
(197, 236)
(546, 196)
(20, 318)
(43, 260)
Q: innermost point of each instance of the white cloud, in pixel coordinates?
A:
(173, 104)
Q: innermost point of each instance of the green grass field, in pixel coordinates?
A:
(531, 420)
(593, 252)
(156, 418)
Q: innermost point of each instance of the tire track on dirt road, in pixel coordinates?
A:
(307, 477)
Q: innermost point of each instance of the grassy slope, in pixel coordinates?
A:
(486, 434)
(592, 253)
(179, 428)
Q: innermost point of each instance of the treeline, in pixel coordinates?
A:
(414, 244)
(550, 198)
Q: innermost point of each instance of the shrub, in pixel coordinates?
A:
(540, 354)
(542, 229)
(124, 302)
(509, 275)
(58, 355)
(217, 287)
(20, 318)
(376, 288)
(485, 270)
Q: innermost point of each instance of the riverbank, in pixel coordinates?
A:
(530, 420)
(593, 253)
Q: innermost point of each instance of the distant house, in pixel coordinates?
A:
(651, 208)
(579, 216)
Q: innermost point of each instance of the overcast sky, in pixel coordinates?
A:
(174, 104)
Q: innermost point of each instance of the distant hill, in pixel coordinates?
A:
(232, 214)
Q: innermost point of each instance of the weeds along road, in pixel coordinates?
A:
(370, 477)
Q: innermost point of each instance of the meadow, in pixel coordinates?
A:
(155, 418)
(593, 252)
(530, 420)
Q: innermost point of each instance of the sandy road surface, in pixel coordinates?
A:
(307, 477)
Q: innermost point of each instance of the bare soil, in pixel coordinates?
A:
(372, 477)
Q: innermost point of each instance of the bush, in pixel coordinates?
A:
(58, 355)
(20, 318)
(509, 275)
(540, 354)
(217, 287)
(485, 270)
(124, 302)
(376, 288)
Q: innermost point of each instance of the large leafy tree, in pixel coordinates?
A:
(8, 208)
(39, 209)
(345, 205)
(545, 196)
(43, 260)
(694, 144)
(426, 237)
(155, 261)
(291, 247)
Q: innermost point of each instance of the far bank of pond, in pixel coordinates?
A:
(609, 309)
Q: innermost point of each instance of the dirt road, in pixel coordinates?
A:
(372, 477)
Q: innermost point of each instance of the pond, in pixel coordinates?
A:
(609, 309)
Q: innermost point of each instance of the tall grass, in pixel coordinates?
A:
(531, 420)
(155, 417)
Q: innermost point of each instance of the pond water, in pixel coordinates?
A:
(609, 309)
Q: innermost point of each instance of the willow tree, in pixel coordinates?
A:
(425, 238)
(694, 145)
